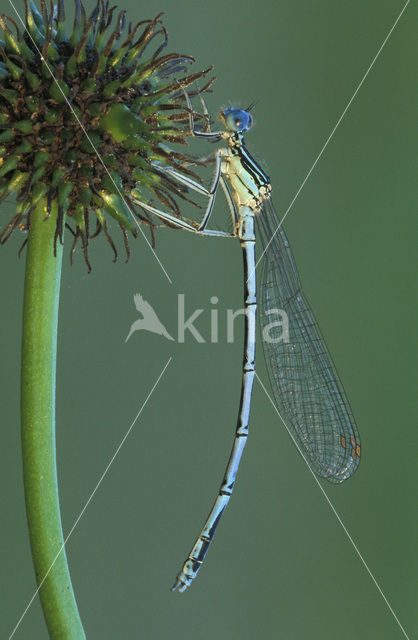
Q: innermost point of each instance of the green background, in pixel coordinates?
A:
(281, 565)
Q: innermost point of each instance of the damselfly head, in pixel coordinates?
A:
(237, 120)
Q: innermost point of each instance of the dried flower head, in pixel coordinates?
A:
(85, 118)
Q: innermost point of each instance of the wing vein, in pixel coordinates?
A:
(303, 377)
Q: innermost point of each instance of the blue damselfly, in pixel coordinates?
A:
(305, 383)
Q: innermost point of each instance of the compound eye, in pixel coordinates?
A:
(237, 120)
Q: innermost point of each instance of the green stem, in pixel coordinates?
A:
(39, 348)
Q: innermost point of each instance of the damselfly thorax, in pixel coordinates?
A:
(249, 184)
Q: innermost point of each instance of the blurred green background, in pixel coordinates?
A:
(281, 565)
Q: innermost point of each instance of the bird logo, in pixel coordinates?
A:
(149, 320)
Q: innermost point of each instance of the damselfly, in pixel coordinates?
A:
(305, 383)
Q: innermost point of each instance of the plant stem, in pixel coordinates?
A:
(39, 348)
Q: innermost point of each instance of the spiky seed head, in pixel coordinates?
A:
(86, 118)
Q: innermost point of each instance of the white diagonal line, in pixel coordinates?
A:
(91, 495)
(356, 549)
(92, 144)
(330, 135)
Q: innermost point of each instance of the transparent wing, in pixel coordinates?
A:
(304, 380)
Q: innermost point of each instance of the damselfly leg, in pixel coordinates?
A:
(191, 184)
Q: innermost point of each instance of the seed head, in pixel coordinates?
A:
(87, 118)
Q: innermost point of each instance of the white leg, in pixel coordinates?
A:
(218, 155)
(181, 224)
(209, 135)
(195, 186)
(192, 184)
